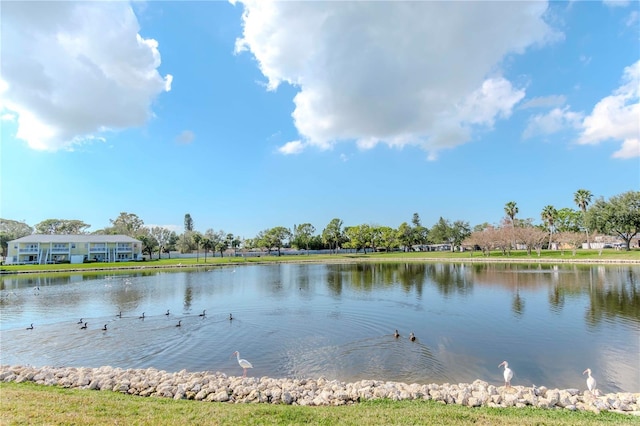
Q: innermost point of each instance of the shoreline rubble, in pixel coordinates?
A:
(218, 387)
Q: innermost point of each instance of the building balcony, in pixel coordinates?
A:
(27, 250)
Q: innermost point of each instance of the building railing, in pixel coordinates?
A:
(28, 250)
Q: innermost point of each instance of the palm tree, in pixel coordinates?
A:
(197, 238)
(511, 209)
(207, 244)
(582, 198)
(549, 215)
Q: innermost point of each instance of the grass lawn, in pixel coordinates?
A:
(518, 256)
(29, 404)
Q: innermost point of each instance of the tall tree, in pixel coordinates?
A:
(388, 238)
(568, 220)
(236, 243)
(440, 233)
(404, 235)
(416, 220)
(217, 239)
(358, 237)
(620, 216)
(61, 226)
(332, 234)
(188, 222)
(162, 236)
(279, 236)
(12, 230)
(149, 243)
(460, 230)
(420, 233)
(511, 210)
(126, 224)
(582, 198)
(172, 244)
(197, 239)
(302, 235)
(207, 245)
(532, 237)
(549, 215)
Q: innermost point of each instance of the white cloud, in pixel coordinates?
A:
(74, 69)
(630, 149)
(544, 102)
(615, 117)
(554, 121)
(616, 3)
(398, 73)
(632, 19)
(185, 137)
(293, 147)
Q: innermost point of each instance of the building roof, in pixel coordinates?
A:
(75, 238)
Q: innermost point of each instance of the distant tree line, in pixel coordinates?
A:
(618, 216)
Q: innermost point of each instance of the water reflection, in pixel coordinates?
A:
(337, 320)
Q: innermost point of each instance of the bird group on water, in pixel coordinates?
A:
(507, 373)
(412, 336)
(84, 325)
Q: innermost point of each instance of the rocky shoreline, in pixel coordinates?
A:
(218, 387)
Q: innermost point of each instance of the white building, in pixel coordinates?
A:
(44, 248)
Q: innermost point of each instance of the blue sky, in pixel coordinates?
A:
(254, 114)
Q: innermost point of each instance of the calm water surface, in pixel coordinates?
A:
(337, 321)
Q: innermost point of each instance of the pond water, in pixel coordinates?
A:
(337, 321)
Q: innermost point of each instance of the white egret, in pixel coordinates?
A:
(243, 363)
(508, 373)
(591, 382)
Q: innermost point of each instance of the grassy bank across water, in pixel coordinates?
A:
(29, 403)
(606, 256)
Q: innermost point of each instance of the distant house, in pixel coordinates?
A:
(43, 248)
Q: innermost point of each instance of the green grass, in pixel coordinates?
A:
(28, 403)
(604, 256)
